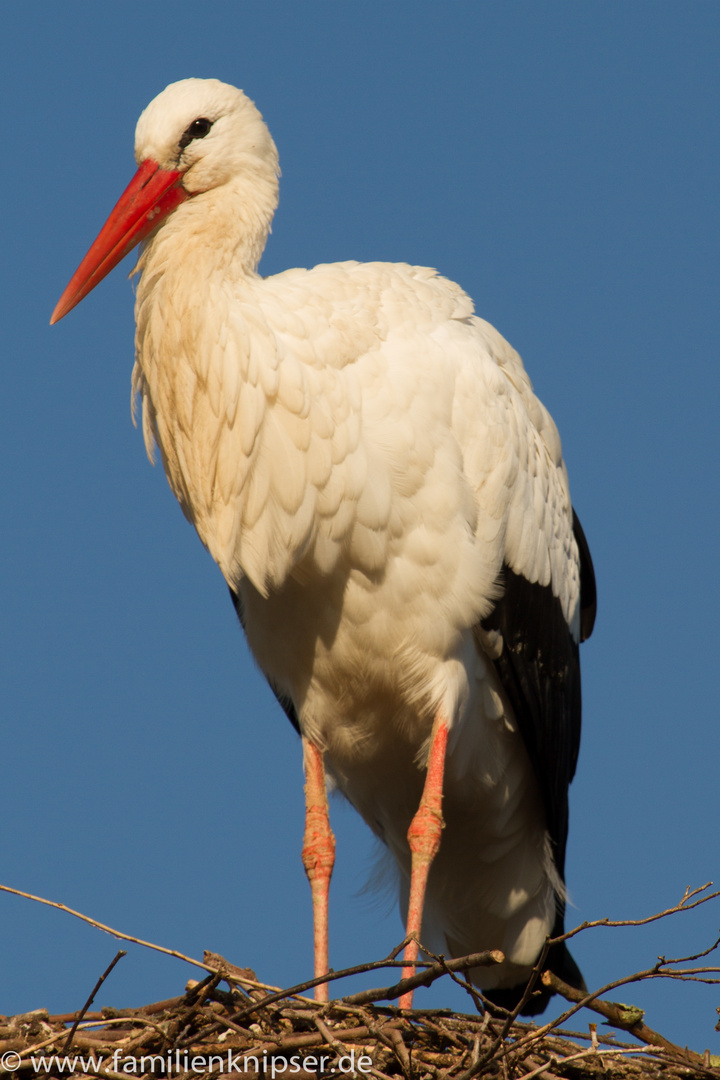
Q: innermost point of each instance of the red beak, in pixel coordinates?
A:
(151, 195)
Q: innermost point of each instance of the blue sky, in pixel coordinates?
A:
(560, 161)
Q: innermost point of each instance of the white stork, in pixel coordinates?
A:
(365, 460)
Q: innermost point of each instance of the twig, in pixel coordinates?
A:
(399, 1048)
(426, 977)
(449, 969)
(619, 1016)
(614, 1051)
(124, 937)
(331, 1039)
(474, 960)
(107, 929)
(682, 906)
(511, 1016)
(119, 955)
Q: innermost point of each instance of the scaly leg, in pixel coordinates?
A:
(318, 856)
(424, 841)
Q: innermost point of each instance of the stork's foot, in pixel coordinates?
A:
(318, 857)
(424, 840)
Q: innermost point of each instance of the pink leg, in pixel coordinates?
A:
(424, 840)
(318, 856)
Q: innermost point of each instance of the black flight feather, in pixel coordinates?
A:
(539, 669)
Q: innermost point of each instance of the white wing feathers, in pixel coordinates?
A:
(353, 411)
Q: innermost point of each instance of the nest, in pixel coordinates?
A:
(231, 1025)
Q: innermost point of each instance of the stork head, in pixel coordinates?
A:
(194, 137)
(206, 130)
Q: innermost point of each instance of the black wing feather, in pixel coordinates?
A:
(539, 668)
(588, 588)
(540, 673)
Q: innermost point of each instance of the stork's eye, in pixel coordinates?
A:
(197, 130)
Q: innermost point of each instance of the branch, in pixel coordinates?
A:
(425, 978)
(628, 1018)
(422, 978)
(119, 955)
(682, 906)
(118, 934)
